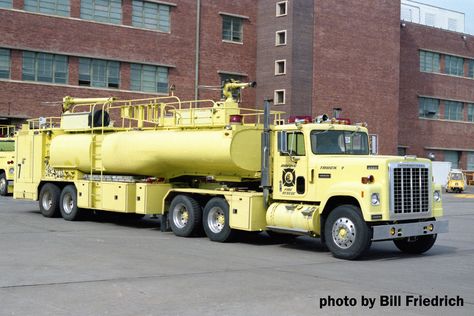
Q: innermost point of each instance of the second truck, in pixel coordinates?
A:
(213, 166)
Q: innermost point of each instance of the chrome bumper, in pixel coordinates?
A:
(384, 232)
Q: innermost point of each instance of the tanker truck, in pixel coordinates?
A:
(213, 166)
(7, 159)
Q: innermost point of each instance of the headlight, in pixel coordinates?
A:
(11, 170)
(375, 199)
(437, 196)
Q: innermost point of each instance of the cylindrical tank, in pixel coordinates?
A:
(164, 153)
(292, 216)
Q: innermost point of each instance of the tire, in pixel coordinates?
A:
(185, 216)
(68, 204)
(216, 220)
(49, 197)
(3, 184)
(416, 246)
(347, 234)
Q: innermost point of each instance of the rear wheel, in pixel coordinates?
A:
(68, 204)
(49, 200)
(185, 216)
(415, 245)
(216, 220)
(347, 235)
(3, 184)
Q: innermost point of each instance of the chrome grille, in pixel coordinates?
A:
(410, 189)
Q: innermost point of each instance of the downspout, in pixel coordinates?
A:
(198, 43)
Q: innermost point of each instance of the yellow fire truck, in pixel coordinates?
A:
(7, 159)
(213, 166)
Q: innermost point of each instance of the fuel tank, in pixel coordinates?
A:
(162, 153)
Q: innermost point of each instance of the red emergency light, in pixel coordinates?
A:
(300, 118)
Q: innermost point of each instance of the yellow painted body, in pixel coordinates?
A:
(456, 181)
(164, 153)
(7, 155)
(159, 149)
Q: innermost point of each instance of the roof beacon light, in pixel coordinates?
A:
(299, 119)
(236, 119)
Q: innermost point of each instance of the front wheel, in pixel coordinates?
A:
(68, 204)
(347, 235)
(415, 245)
(216, 220)
(3, 184)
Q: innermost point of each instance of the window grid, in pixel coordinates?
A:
(454, 65)
(108, 11)
(470, 161)
(151, 15)
(55, 7)
(471, 69)
(453, 110)
(429, 62)
(44, 67)
(148, 78)
(453, 157)
(232, 29)
(4, 63)
(470, 112)
(99, 73)
(428, 108)
(6, 4)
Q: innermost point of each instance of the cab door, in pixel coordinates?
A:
(290, 172)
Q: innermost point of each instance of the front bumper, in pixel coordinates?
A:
(385, 232)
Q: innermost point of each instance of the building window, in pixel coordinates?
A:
(55, 7)
(6, 4)
(279, 97)
(428, 108)
(453, 157)
(44, 67)
(430, 19)
(453, 111)
(471, 69)
(151, 15)
(429, 62)
(470, 161)
(109, 11)
(99, 73)
(148, 78)
(280, 38)
(232, 29)
(280, 67)
(281, 8)
(454, 65)
(470, 112)
(4, 63)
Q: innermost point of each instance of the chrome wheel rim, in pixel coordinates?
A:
(180, 215)
(68, 203)
(343, 233)
(216, 220)
(47, 200)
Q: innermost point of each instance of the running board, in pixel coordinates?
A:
(289, 230)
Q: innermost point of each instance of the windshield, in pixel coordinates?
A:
(339, 143)
(8, 145)
(456, 176)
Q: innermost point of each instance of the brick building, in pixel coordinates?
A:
(413, 84)
(128, 49)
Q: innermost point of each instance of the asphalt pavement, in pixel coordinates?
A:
(121, 266)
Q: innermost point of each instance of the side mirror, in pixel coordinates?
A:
(283, 142)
